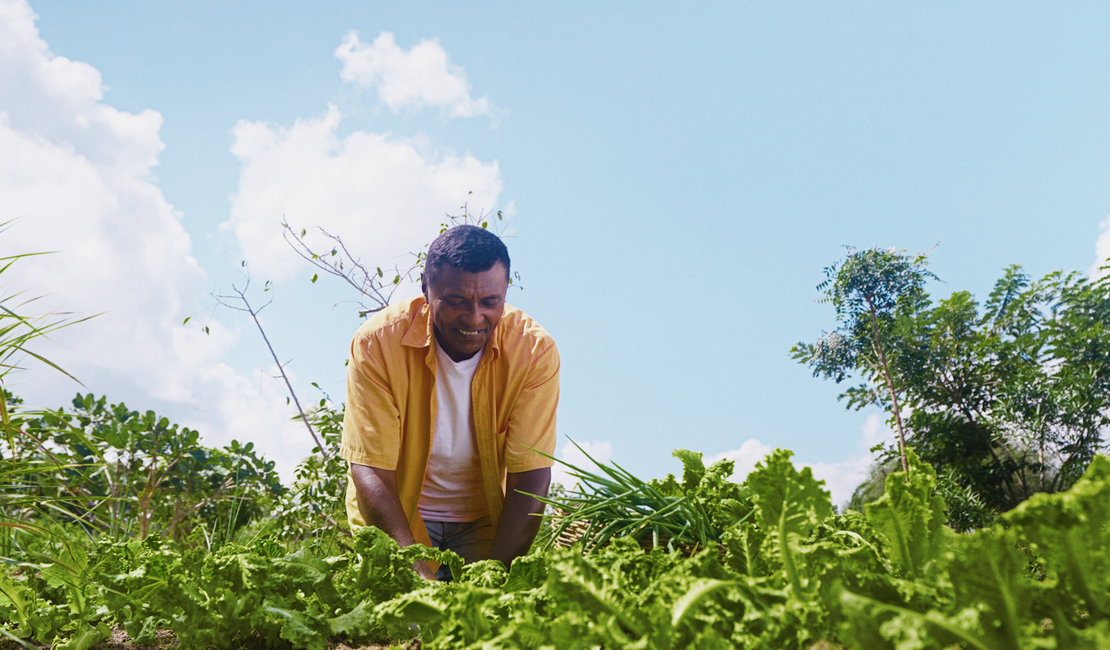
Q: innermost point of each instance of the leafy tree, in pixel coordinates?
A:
(1012, 399)
(1006, 399)
(871, 290)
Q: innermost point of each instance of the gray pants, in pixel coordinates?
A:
(471, 540)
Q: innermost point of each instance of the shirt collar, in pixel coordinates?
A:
(419, 333)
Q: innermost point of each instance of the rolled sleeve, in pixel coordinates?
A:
(372, 422)
(532, 420)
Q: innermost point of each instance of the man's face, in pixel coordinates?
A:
(466, 307)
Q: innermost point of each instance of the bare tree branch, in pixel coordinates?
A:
(241, 296)
(373, 284)
(339, 262)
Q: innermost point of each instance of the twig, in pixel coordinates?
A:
(241, 294)
(371, 284)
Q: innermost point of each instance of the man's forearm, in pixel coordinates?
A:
(376, 491)
(519, 522)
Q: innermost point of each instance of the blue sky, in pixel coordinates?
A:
(677, 179)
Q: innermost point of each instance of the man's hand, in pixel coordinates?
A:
(376, 491)
(423, 570)
(519, 523)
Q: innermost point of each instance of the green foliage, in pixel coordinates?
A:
(108, 468)
(1006, 399)
(791, 576)
(315, 505)
(617, 504)
(1069, 534)
(1039, 581)
(17, 331)
(871, 291)
(219, 600)
(789, 505)
(910, 517)
(711, 491)
(49, 595)
(965, 509)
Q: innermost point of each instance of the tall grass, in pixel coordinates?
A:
(19, 328)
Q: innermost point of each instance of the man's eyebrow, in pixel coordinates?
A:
(459, 294)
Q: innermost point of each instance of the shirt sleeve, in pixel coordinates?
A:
(532, 421)
(372, 422)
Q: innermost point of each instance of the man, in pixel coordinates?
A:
(448, 397)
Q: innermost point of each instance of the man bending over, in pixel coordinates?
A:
(448, 395)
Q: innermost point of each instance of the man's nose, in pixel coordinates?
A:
(473, 315)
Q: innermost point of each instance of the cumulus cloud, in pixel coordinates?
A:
(601, 451)
(844, 477)
(58, 100)
(422, 77)
(76, 172)
(382, 194)
(1102, 250)
(745, 457)
(841, 479)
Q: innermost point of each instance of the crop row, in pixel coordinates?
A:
(792, 574)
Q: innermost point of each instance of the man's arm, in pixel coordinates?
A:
(518, 525)
(376, 491)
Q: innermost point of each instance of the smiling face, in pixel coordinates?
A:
(466, 307)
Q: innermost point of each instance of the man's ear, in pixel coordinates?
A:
(424, 286)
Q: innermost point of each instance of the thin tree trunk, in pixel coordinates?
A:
(281, 370)
(890, 385)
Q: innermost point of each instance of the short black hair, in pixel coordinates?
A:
(467, 248)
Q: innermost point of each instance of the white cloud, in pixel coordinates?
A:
(844, 477)
(841, 479)
(422, 77)
(382, 194)
(1102, 250)
(600, 451)
(749, 453)
(77, 173)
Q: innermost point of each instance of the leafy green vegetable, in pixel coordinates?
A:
(792, 576)
(1068, 533)
(910, 517)
(789, 505)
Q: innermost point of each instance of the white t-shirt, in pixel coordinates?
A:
(453, 488)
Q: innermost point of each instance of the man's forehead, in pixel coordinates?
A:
(451, 279)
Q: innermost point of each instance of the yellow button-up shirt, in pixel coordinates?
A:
(391, 403)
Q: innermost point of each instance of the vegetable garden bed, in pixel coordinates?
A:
(794, 575)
